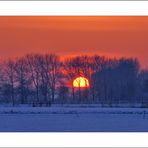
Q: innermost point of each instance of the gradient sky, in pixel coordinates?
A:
(68, 36)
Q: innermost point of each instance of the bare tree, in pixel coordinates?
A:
(34, 68)
(76, 67)
(71, 71)
(22, 78)
(117, 81)
(9, 78)
(45, 76)
(53, 73)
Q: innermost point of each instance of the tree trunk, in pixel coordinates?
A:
(73, 94)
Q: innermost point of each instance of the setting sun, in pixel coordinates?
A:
(81, 82)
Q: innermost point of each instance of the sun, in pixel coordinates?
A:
(81, 82)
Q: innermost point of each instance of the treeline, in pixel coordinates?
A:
(43, 79)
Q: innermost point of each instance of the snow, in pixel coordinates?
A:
(73, 119)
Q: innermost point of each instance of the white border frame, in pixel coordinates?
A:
(69, 8)
(60, 8)
(73, 139)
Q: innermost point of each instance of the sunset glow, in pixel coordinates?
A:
(111, 36)
(81, 82)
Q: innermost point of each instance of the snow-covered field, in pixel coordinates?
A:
(73, 119)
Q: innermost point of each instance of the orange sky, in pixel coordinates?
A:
(67, 36)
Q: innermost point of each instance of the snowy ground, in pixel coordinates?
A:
(73, 119)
